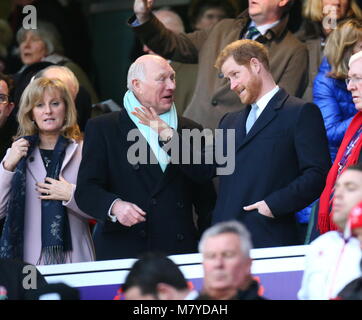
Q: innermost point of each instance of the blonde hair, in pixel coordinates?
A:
(33, 94)
(243, 51)
(339, 46)
(313, 10)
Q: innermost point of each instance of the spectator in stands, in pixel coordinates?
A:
(79, 94)
(320, 18)
(333, 260)
(350, 151)
(44, 44)
(8, 126)
(275, 125)
(186, 73)
(37, 181)
(330, 90)
(203, 14)
(353, 290)
(156, 277)
(141, 204)
(68, 18)
(225, 249)
(266, 21)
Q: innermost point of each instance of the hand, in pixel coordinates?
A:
(262, 208)
(149, 117)
(55, 189)
(128, 214)
(142, 10)
(19, 149)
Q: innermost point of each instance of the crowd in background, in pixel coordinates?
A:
(67, 194)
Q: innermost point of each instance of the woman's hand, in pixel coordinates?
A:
(55, 189)
(19, 149)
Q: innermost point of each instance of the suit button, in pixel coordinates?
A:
(180, 237)
(136, 166)
(180, 204)
(214, 102)
(143, 234)
(153, 201)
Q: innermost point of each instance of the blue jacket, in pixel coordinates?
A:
(336, 104)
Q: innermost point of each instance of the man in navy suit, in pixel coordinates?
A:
(281, 153)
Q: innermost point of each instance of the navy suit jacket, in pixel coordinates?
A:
(283, 160)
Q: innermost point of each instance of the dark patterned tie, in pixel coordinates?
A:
(252, 32)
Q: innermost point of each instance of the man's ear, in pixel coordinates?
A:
(9, 108)
(136, 84)
(283, 3)
(255, 65)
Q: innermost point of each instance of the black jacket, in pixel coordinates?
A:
(105, 174)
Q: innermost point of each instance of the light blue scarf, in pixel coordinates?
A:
(130, 102)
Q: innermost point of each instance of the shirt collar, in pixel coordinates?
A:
(264, 28)
(264, 100)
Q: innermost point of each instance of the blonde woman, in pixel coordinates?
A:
(320, 18)
(37, 181)
(330, 90)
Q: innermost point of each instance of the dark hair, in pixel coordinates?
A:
(357, 167)
(152, 269)
(10, 84)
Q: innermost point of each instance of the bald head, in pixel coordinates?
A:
(170, 20)
(65, 75)
(152, 80)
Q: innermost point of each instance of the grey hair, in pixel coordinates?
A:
(64, 74)
(48, 33)
(234, 227)
(355, 57)
(137, 70)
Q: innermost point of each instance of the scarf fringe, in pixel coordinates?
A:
(54, 255)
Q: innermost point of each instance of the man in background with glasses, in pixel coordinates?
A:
(350, 150)
(7, 126)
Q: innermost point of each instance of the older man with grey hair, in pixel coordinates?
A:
(225, 249)
(147, 204)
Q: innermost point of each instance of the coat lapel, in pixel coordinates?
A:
(125, 125)
(36, 167)
(268, 115)
(69, 151)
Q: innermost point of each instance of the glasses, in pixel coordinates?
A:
(4, 98)
(353, 80)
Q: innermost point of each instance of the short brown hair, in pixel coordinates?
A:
(243, 51)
